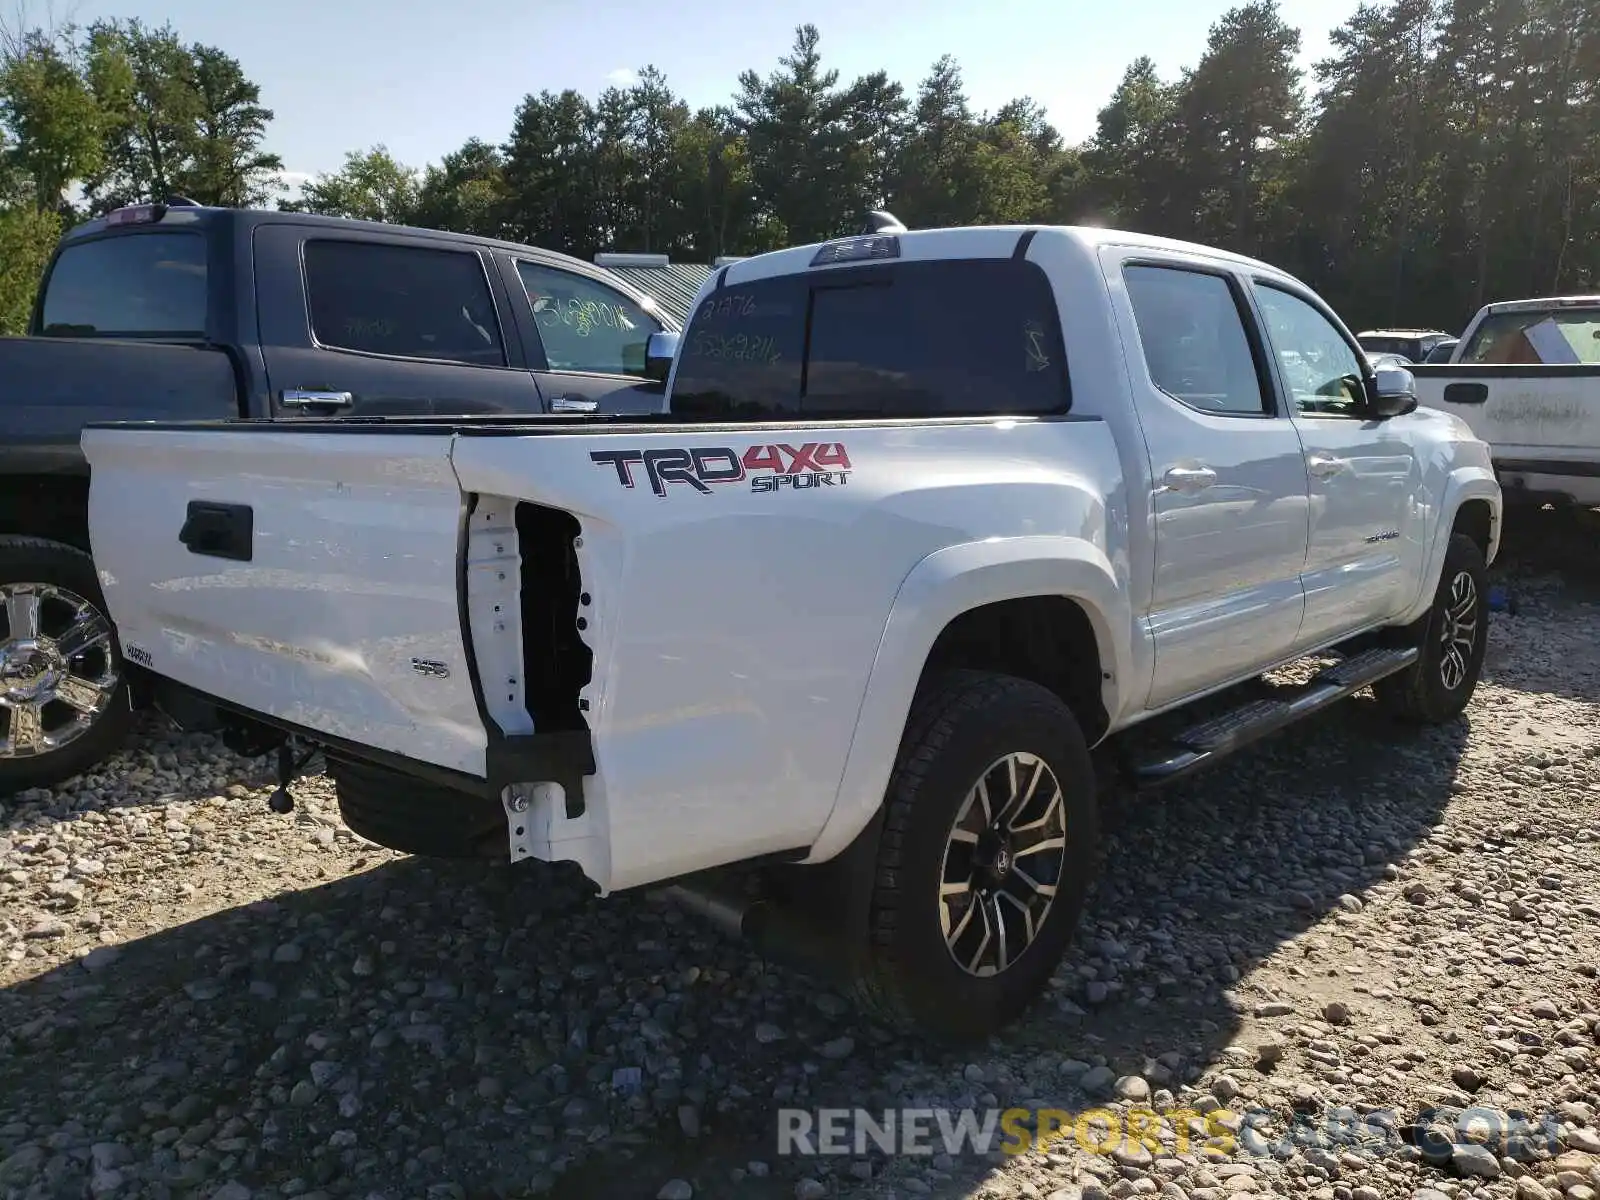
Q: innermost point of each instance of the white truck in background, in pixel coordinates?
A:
(941, 527)
(1526, 377)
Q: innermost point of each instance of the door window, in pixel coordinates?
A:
(402, 301)
(1319, 367)
(1194, 341)
(585, 325)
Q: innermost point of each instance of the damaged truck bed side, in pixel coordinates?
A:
(933, 515)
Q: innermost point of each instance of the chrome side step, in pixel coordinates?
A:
(1217, 737)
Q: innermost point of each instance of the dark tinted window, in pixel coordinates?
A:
(137, 284)
(404, 301)
(1193, 338)
(1406, 347)
(943, 338)
(742, 353)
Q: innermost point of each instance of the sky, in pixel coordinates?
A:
(423, 77)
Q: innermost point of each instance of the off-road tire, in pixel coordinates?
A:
(412, 817)
(1419, 695)
(961, 723)
(38, 561)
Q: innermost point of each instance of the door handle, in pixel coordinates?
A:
(573, 404)
(313, 397)
(1188, 479)
(1324, 465)
(219, 530)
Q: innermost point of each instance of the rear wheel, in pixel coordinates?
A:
(64, 702)
(404, 814)
(1452, 640)
(986, 854)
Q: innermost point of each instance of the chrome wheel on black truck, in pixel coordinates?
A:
(64, 702)
(986, 854)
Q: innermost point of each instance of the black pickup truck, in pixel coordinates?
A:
(179, 312)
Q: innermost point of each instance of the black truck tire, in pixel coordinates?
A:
(413, 817)
(64, 702)
(1452, 638)
(974, 738)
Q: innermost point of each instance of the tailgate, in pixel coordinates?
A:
(1523, 412)
(307, 576)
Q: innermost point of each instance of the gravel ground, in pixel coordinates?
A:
(200, 998)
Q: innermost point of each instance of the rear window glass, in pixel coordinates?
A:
(963, 337)
(131, 285)
(1383, 345)
(1537, 338)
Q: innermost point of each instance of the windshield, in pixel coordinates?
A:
(130, 285)
(1538, 337)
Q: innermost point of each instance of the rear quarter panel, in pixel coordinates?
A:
(735, 630)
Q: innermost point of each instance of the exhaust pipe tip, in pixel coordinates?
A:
(775, 933)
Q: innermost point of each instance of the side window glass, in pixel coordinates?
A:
(1319, 368)
(1194, 340)
(584, 325)
(402, 301)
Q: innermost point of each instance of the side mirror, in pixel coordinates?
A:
(1393, 392)
(659, 351)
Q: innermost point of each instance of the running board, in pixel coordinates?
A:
(1218, 737)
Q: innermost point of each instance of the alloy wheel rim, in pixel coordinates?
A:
(57, 670)
(1458, 633)
(1003, 864)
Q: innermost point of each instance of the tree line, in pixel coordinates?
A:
(1445, 154)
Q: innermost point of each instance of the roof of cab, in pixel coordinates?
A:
(1404, 333)
(983, 241)
(1550, 302)
(250, 218)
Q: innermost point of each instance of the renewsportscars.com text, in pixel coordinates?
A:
(1218, 1133)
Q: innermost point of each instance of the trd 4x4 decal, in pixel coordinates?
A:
(769, 468)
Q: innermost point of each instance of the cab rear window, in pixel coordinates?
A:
(129, 285)
(1538, 337)
(952, 337)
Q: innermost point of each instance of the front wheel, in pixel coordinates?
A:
(64, 702)
(1454, 636)
(987, 849)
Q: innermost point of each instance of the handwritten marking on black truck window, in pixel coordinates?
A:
(735, 348)
(1038, 360)
(774, 467)
(581, 316)
(730, 305)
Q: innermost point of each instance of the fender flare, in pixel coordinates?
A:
(1465, 484)
(942, 586)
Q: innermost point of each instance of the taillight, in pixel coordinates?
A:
(136, 214)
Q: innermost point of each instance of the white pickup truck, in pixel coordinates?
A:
(1526, 377)
(934, 515)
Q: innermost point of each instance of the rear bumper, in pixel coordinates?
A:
(1561, 480)
(562, 756)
